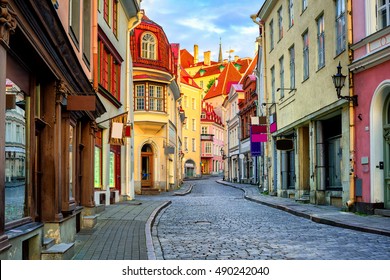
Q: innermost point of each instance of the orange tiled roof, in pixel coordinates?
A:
(230, 75)
(185, 78)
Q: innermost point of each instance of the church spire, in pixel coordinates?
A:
(220, 59)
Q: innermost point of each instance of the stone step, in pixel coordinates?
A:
(100, 208)
(149, 191)
(382, 212)
(303, 199)
(89, 221)
(48, 243)
(62, 251)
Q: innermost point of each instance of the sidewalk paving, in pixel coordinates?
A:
(124, 230)
(317, 213)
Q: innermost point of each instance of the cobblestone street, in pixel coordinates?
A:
(215, 222)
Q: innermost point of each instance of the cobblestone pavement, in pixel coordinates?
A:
(215, 222)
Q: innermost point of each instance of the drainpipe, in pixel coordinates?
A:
(261, 25)
(129, 181)
(350, 203)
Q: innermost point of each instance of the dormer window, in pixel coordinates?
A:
(148, 46)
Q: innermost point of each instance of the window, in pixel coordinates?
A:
(204, 129)
(193, 145)
(148, 46)
(109, 71)
(321, 41)
(193, 104)
(281, 73)
(106, 10)
(340, 26)
(208, 148)
(273, 83)
(292, 66)
(291, 13)
(305, 38)
(383, 13)
(185, 102)
(151, 100)
(140, 97)
(186, 144)
(115, 17)
(16, 149)
(156, 98)
(304, 5)
(72, 161)
(98, 160)
(271, 34)
(74, 20)
(193, 124)
(280, 23)
(111, 175)
(87, 31)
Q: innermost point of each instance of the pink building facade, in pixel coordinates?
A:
(212, 141)
(370, 70)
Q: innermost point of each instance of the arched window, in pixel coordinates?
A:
(148, 46)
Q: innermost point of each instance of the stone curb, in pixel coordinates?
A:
(189, 190)
(148, 231)
(313, 217)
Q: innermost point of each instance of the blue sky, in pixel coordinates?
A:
(204, 22)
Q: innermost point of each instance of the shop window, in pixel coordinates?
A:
(15, 153)
(98, 160)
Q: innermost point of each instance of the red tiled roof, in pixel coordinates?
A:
(185, 78)
(186, 59)
(229, 76)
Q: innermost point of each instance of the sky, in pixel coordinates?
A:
(206, 23)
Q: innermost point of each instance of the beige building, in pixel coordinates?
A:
(157, 122)
(113, 180)
(191, 144)
(303, 43)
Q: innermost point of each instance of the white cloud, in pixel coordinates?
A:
(202, 23)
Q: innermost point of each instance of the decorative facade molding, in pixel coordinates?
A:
(7, 21)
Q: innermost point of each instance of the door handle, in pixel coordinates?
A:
(381, 165)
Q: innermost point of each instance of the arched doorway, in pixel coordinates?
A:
(386, 160)
(380, 145)
(147, 166)
(189, 168)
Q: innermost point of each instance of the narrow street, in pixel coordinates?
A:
(216, 222)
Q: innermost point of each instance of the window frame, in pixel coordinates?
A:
(280, 23)
(320, 41)
(306, 55)
(291, 52)
(148, 46)
(386, 8)
(340, 26)
(291, 13)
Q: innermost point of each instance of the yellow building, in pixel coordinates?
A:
(156, 111)
(303, 43)
(191, 144)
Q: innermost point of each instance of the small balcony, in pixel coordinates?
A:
(207, 137)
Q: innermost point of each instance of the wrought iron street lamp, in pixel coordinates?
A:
(339, 81)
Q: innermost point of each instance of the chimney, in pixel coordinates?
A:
(207, 57)
(196, 60)
(236, 57)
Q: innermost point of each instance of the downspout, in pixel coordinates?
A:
(350, 203)
(265, 96)
(129, 181)
(95, 75)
